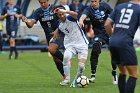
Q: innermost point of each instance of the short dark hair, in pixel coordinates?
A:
(58, 6)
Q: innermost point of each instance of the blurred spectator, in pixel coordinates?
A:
(65, 4)
(77, 7)
(11, 13)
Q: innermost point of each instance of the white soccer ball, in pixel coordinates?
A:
(82, 81)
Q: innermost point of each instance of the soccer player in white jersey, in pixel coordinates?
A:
(75, 42)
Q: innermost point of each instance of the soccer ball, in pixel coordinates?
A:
(82, 81)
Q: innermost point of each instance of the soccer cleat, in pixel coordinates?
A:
(115, 79)
(74, 84)
(64, 82)
(92, 79)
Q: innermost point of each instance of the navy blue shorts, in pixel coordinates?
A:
(12, 33)
(102, 39)
(123, 55)
(58, 41)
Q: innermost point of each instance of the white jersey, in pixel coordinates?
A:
(74, 35)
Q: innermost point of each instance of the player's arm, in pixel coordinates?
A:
(2, 17)
(109, 24)
(56, 33)
(30, 23)
(84, 15)
(72, 13)
(108, 27)
(18, 15)
(81, 20)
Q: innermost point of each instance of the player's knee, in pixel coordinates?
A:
(51, 50)
(96, 48)
(66, 57)
(133, 74)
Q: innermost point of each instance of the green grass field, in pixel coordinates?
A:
(35, 72)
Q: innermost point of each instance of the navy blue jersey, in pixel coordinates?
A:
(126, 18)
(98, 16)
(47, 19)
(11, 20)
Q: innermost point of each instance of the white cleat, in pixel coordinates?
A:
(115, 79)
(92, 79)
(64, 82)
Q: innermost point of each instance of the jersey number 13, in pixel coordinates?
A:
(126, 15)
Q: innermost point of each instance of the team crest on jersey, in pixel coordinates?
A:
(15, 9)
(102, 13)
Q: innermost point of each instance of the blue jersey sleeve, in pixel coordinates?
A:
(112, 16)
(35, 16)
(109, 9)
(69, 17)
(4, 11)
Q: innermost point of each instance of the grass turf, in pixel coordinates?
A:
(35, 72)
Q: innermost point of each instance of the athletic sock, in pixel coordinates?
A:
(113, 72)
(59, 66)
(121, 83)
(93, 66)
(67, 71)
(11, 52)
(130, 85)
(59, 55)
(16, 52)
(81, 68)
(15, 49)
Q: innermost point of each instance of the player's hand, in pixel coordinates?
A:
(7, 14)
(60, 10)
(55, 34)
(81, 23)
(56, 10)
(24, 19)
(17, 15)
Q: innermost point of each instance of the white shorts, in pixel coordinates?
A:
(81, 51)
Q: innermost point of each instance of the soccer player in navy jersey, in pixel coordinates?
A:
(48, 21)
(126, 19)
(11, 13)
(77, 7)
(98, 12)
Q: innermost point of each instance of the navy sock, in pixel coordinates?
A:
(121, 83)
(93, 66)
(11, 50)
(0, 46)
(59, 55)
(114, 69)
(130, 85)
(59, 66)
(15, 49)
